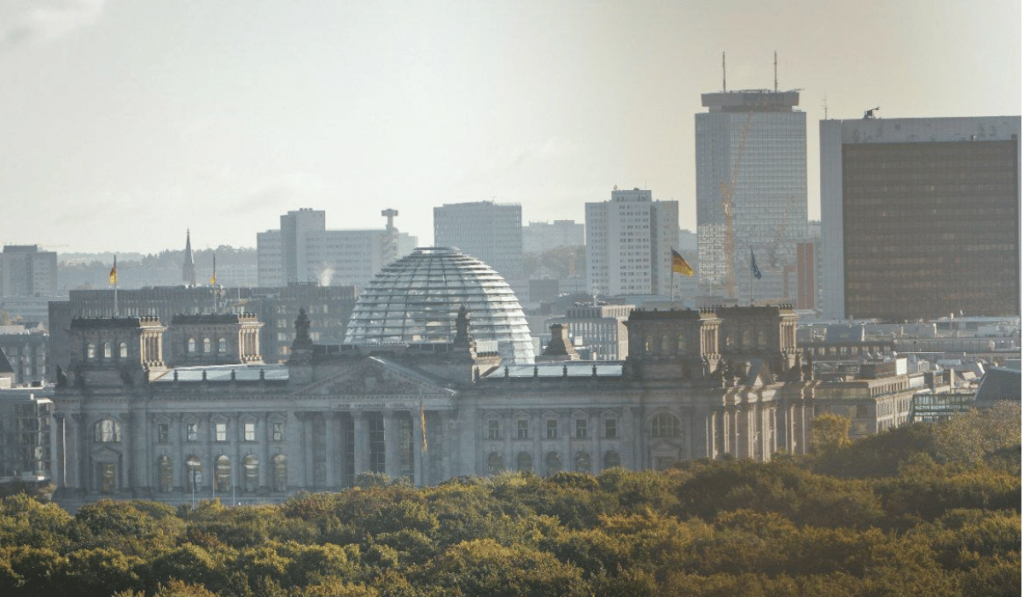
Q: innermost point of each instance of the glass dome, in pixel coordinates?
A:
(417, 298)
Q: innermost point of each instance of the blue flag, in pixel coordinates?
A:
(753, 265)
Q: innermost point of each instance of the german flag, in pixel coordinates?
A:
(113, 272)
(679, 265)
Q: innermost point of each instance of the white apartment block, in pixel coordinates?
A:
(27, 271)
(629, 244)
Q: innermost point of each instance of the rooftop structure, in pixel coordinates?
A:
(416, 300)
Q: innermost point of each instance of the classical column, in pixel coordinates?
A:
(331, 447)
(59, 443)
(307, 450)
(361, 443)
(418, 457)
(392, 458)
(81, 459)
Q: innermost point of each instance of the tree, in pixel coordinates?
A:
(829, 433)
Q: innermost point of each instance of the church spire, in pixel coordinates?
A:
(188, 269)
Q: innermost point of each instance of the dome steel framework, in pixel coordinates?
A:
(416, 300)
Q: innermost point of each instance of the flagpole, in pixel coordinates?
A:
(755, 272)
(115, 287)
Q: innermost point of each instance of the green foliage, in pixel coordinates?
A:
(829, 433)
(484, 567)
(966, 438)
(27, 522)
(906, 512)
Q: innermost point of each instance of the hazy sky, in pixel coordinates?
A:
(124, 122)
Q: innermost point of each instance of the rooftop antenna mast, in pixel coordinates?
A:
(824, 104)
(776, 71)
(723, 72)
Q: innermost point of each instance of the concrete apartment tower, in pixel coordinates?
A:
(303, 251)
(629, 244)
(920, 217)
(751, 192)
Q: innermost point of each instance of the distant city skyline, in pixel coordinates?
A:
(126, 123)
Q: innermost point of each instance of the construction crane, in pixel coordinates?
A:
(726, 191)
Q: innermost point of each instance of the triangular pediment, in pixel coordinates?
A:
(374, 376)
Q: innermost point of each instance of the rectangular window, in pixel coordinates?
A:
(522, 429)
(249, 431)
(610, 429)
(192, 432)
(581, 429)
(493, 429)
(163, 433)
(220, 431)
(552, 427)
(278, 432)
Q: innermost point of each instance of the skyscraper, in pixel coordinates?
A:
(491, 232)
(629, 244)
(920, 217)
(751, 191)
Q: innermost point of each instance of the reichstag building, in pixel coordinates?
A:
(188, 410)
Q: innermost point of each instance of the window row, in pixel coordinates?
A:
(224, 479)
(207, 346)
(581, 462)
(107, 349)
(662, 425)
(109, 431)
(551, 429)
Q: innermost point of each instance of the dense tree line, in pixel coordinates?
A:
(930, 510)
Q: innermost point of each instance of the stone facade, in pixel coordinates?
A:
(697, 384)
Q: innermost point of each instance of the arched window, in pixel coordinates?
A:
(280, 472)
(124, 350)
(222, 345)
(745, 339)
(665, 425)
(495, 464)
(553, 463)
(107, 353)
(193, 473)
(648, 343)
(108, 431)
(191, 344)
(251, 464)
(165, 473)
(581, 463)
(760, 338)
(90, 351)
(206, 345)
(666, 343)
(681, 343)
(222, 474)
(611, 459)
(524, 462)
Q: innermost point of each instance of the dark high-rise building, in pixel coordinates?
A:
(920, 217)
